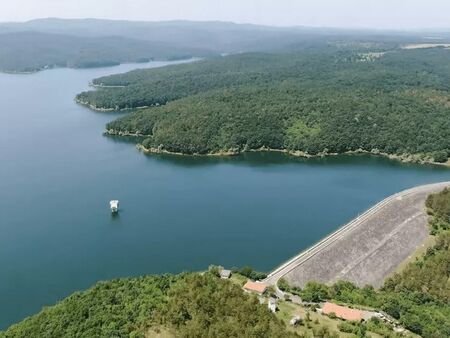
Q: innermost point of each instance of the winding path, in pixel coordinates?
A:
(367, 249)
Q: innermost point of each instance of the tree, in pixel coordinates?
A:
(315, 292)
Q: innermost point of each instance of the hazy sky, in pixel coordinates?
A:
(335, 13)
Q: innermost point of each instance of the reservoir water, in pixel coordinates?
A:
(58, 174)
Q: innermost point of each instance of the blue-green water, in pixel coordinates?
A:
(58, 173)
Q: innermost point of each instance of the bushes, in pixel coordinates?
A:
(324, 332)
(439, 204)
(439, 208)
(347, 327)
(440, 156)
(358, 329)
(315, 292)
(248, 272)
(204, 306)
(283, 285)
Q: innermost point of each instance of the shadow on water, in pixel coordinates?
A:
(269, 158)
(115, 216)
(124, 139)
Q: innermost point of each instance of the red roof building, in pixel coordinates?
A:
(256, 287)
(343, 312)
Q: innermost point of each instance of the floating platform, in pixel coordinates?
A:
(114, 205)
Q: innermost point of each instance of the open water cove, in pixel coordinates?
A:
(58, 173)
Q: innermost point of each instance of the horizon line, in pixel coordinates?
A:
(368, 28)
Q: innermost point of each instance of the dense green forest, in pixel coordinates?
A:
(318, 101)
(186, 305)
(33, 51)
(419, 296)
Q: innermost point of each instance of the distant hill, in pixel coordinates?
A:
(33, 51)
(222, 37)
(32, 45)
(213, 35)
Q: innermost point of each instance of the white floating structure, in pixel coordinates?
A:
(114, 205)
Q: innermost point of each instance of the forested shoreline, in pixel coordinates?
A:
(309, 103)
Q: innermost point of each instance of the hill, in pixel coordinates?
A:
(187, 305)
(62, 42)
(33, 51)
(220, 37)
(311, 102)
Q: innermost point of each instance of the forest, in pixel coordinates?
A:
(311, 102)
(25, 52)
(187, 305)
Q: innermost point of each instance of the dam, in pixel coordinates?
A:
(369, 248)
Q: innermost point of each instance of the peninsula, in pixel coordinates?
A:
(315, 102)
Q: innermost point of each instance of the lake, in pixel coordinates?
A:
(58, 173)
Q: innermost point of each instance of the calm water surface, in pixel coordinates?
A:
(58, 173)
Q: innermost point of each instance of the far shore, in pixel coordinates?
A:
(49, 67)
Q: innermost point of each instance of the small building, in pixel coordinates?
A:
(225, 274)
(343, 312)
(372, 314)
(295, 320)
(255, 287)
(399, 329)
(272, 305)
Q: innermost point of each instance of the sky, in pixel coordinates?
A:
(390, 14)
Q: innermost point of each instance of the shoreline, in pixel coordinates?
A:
(98, 109)
(49, 67)
(296, 153)
(18, 72)
(404, 158)
(93, 85)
